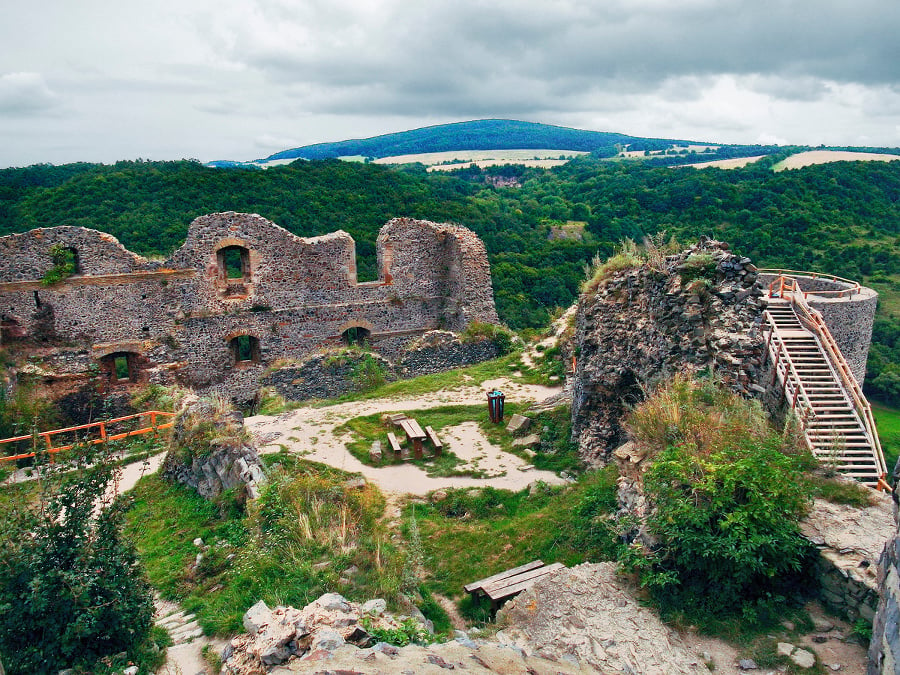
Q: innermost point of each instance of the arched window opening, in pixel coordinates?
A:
(74, 260)
(356, 335)
(244, 349)
(121, 367)
(234, 264)
(10, 329)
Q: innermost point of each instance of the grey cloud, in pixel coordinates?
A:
(438, 50)
(23, 94)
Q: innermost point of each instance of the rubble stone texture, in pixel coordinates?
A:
(646, 323)
(177, 319)
(590, 614)
(210, 451)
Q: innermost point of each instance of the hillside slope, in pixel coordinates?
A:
(491, 134)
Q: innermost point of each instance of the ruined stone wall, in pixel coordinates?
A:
(849, 318)
(291, 295)
(884, 648)
(647, 323)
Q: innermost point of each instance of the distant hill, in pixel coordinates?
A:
(491, 134)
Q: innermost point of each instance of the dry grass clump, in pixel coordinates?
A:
(653, 253)
(598, 271)
(701, 414)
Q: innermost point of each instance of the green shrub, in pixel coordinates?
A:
(698, 267)
(368, 373)
(501, 336)
(726, 506)
(627, 257)
(71, 591)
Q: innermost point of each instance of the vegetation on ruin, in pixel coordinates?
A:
(501, 336)
(728, 493)
(63, 265)
(72, 593)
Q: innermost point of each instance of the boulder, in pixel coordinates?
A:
(518, 423)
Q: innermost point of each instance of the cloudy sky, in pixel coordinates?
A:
(101, 80)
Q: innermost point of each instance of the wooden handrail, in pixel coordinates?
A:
(102, 427)
(855, 286)
(812, 320)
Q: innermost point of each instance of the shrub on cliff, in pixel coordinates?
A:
(726, 502)
(71, 591)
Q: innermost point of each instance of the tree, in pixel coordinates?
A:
(71, 590)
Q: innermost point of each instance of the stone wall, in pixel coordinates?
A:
(884, 649)
(182, 318)
(849, 318)
(644, 323)
(332, 373)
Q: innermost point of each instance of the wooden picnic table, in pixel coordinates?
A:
(415, 434)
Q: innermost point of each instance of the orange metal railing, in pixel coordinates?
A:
(91, 434)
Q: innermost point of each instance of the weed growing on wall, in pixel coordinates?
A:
(64, 265)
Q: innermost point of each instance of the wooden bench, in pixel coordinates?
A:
(435, 441)
(395, 444)
(396, 418)
(501, 587)
(415, 434)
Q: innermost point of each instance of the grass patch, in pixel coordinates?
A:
(448, 380)
(475, 533)
(309, 533)
(370, 428)
(840, 491)
(887, 419)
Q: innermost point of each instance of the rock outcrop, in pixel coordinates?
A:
(328, 636)
(699, 310)
(211, 452)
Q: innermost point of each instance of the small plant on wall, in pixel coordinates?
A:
(64, 265)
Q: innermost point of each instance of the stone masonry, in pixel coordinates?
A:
(646, 323)
(240, 294)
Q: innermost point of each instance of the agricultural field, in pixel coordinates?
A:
(447, 161)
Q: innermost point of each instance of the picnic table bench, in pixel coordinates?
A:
(415, 434)
(501, 587)
(435, 441)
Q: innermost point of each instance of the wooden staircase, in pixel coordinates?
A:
(818, 384)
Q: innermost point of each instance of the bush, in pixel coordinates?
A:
(726, 506)
(501, 336)
(71, 591)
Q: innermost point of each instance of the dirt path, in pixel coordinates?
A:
(310, 432)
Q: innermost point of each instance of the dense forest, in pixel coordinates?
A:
(842, 218)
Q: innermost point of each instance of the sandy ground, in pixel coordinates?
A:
(310, 432)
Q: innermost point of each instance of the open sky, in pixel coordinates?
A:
(101, 80)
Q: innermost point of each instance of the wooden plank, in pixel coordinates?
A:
(435, 441)
(500, 593)
(416, 429)
(496, 589)
(478, 585)
(395, 445)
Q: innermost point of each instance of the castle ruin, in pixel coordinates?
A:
(239, 295)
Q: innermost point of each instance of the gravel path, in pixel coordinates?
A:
(310, 432)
